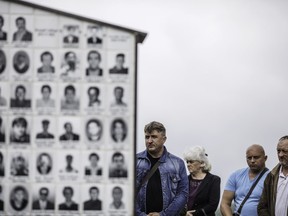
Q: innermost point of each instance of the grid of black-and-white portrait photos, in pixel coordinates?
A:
(67, 115)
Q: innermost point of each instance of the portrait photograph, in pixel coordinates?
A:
(4, 95)
(94, 130)
(3, 130)
(45, 97)
(20, 130)
(44, 163)
(69, 97)
(4, 65)
(21, 96)
(93, 197)
(119, 66)
(68, 165)
(119, 96)
(68, 198)
(22, 66)
(117, 198)
(71, 35)
(22, 28)
(69, 130)
(94, 35)
(43, 198)
(46, 64)
(4, 29)
(93, 164)
(94, 98)
(93, 62)
(118, 168)
(119, 132)
(45, 128)
(70, 65)
(19, 198)
(19, 164)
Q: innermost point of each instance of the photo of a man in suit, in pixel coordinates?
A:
(20, 100)
(22, 34)
(71, 37)
(94, 203)
(119, 65)
(3, 35)
(69, 204)
(94, 38)
(43, 203)
(45, 134)
(44, 164)
(69, 135)
(94, 60)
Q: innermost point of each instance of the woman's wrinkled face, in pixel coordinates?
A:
(194, 166)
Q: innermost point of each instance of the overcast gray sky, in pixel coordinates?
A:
(213, 71)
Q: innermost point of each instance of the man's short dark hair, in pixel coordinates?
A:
(20, 18)
(45, 121)
(95, 52)
(117, 188)
(21, 121)
(117, 154)
(94, 155)
(19, 188)
(69, 156)
(46, 53)
(46, 86)
(67, 123)
(118, 88)
(94, 188)
(155, 126)
(120, 55)
(20, 87)
(68, 188)
(44, 188)
(69, 87)
(283, 138)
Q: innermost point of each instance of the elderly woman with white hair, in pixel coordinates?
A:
(204, 187)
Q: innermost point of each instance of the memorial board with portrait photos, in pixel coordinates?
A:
(67, 113)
